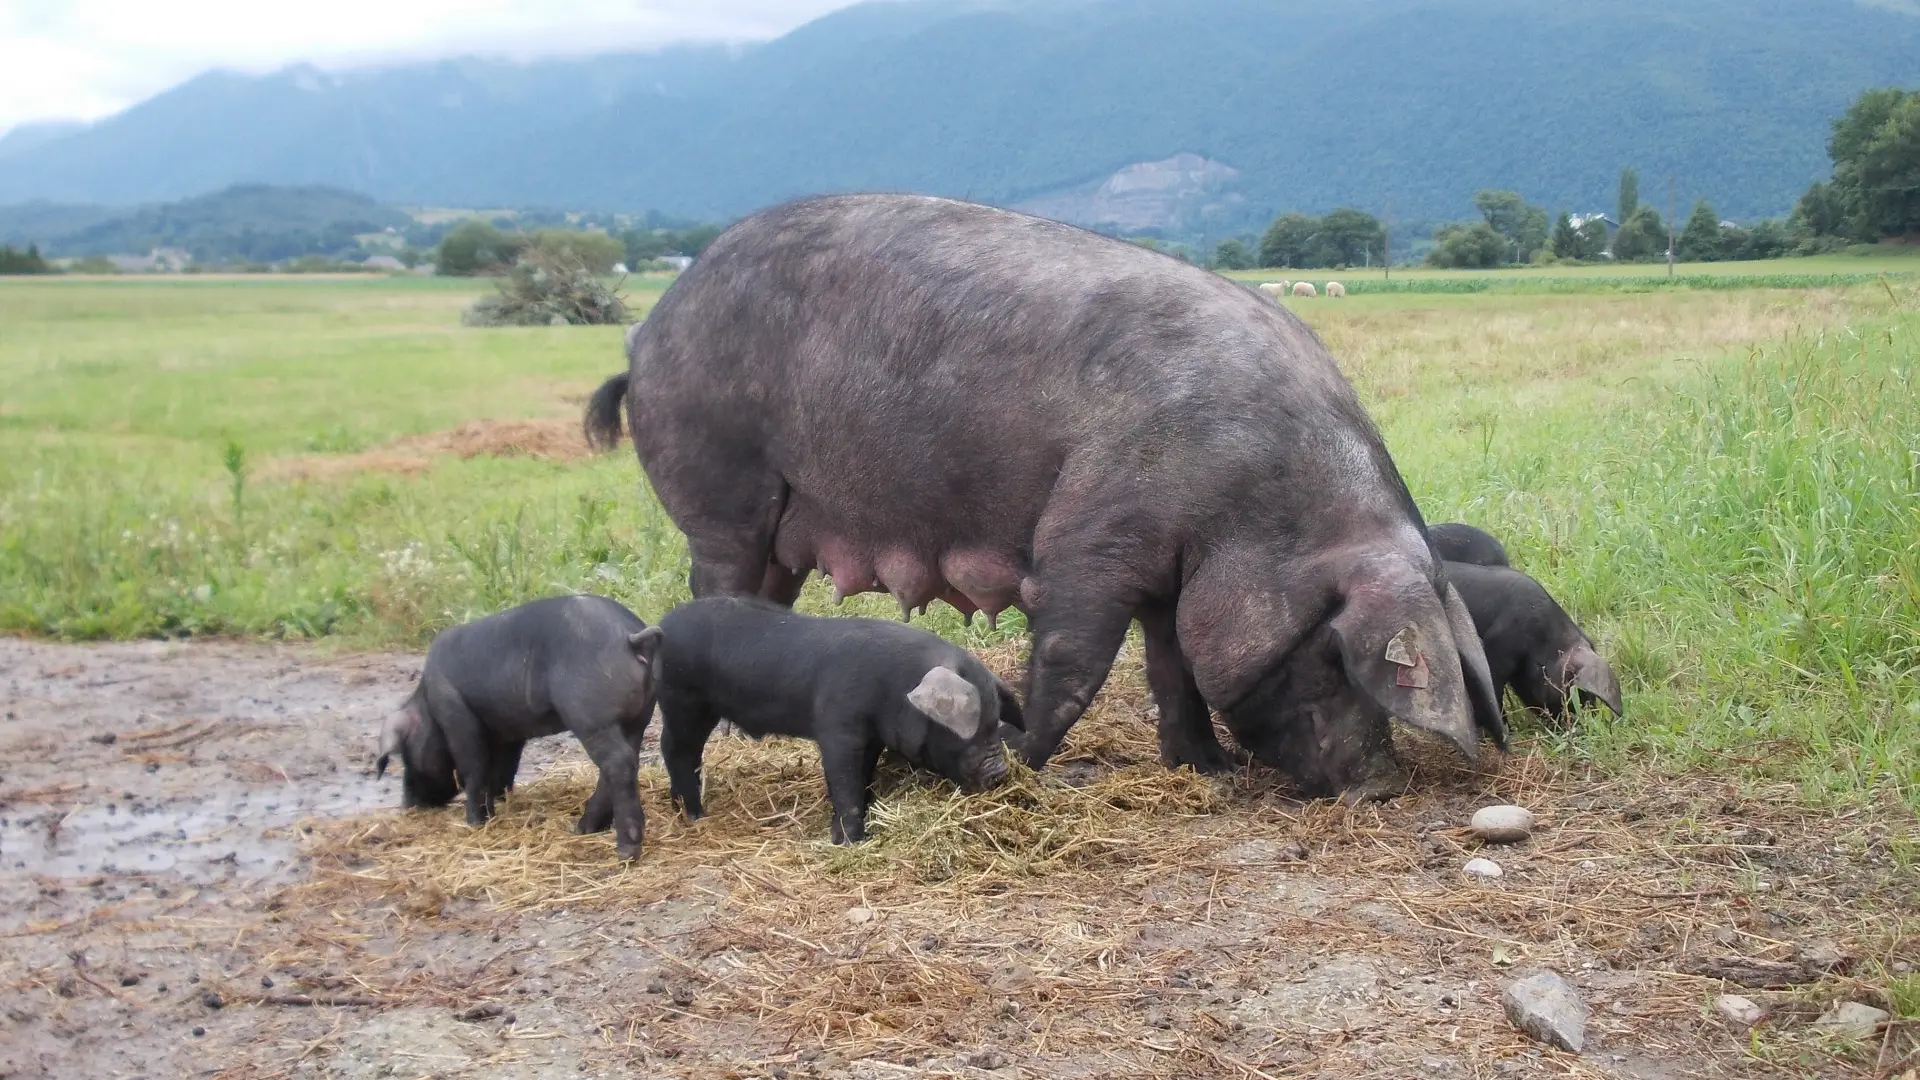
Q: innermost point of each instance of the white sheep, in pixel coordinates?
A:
(1334, 288)
(1304, 288)
(1272, 289)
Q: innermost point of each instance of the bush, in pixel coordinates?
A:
(547, 288)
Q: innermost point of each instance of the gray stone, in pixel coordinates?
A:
(1738, 1010)
(1547, 1009)
(1851, 1020)
(1502, 824)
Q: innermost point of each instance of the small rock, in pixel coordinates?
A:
(479, 1013)
(860, 916)
(106, 738)
(1851, 1020)
(212, 1000)
(682, 996)
(1738, 1010)
(1502, 824)
(129, 980)
(266, 982)
(1482, 868)
(656, 987)
(1548, 1010)
(199, 1031)
(988, 1059)
(68, 986)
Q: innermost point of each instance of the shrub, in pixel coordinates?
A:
(547, 288)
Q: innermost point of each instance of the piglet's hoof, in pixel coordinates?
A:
(1377, 788)
(627, 845)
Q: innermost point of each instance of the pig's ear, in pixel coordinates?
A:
(645, 643)
(1473, 665)
(1591, 674)
(396, 730)
(949, 700)
(1011, 712)
(1398, 646)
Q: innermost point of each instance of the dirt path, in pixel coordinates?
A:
(164, 916)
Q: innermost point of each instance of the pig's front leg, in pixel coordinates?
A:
(849, 762)
(1186, 724)
(503, 762)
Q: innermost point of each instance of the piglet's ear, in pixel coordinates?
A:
(1397, 644)
(949, 700)
(1474, 667)
(399, 726)
(1592, 675)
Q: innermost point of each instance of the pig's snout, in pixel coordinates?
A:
(991, 771)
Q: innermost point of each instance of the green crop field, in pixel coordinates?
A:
(1722, 485)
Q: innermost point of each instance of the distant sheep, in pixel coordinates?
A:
(1273, 289)
(1334, 288)
(1304, 288)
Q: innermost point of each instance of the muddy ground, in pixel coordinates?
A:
(161, 806)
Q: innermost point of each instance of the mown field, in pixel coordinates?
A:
(1720, 482)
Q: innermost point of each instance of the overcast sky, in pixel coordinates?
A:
(84, 59)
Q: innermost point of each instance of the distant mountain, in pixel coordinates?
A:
(1194, 115)
(28, 136)
(243, 223)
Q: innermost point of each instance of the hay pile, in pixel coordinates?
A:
(549, 288)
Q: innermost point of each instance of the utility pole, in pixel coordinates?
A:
(1386, 241)
(1671, 210)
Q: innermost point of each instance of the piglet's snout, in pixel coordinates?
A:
(991, 771)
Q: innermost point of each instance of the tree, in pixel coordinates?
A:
(1769, 238)
(1593, 237)
(1289, 240)
(1820, 212)
(1876, 164)
(1232, 255)
(594, 250)
(1701, 240)
(1475, 246)
(1349, 237)
(23, 262)
(1567, 243)
(1523, 226)
(1642, 236)
(476, 247)
(1629, 196)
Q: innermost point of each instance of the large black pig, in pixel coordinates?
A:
(948, 401)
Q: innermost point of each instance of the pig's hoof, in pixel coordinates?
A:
(1206, 760)
(1376, 789)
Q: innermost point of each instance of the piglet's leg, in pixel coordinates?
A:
(468, 742)
(619, 767)
(849, 764)
(503, 762)
(684, 728)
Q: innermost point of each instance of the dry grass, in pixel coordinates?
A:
(555, 439)
(1113, 918)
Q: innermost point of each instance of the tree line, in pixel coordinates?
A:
(29, 261)
(477, 246)
(1874, 195)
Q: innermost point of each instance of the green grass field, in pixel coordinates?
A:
(1721, 484)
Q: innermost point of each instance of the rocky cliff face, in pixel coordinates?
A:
(1164, 194)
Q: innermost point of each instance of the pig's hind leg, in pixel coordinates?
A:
(503, 763)
(685, 727)
(468, 742)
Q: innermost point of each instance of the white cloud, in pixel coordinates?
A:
(84, 59)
